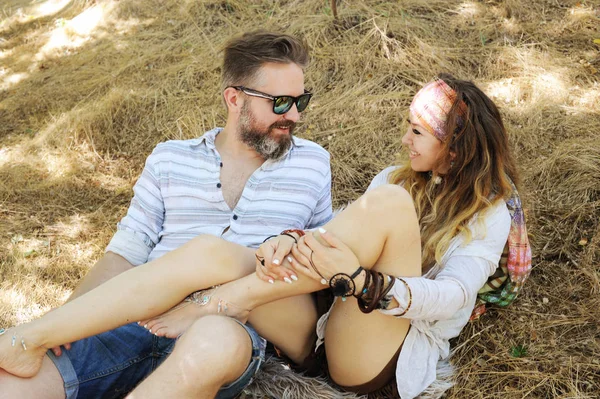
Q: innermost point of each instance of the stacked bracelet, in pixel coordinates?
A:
(374, 292)
(365, 285)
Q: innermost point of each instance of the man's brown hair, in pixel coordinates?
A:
(245, 54)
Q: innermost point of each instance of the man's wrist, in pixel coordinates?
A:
(296, 233)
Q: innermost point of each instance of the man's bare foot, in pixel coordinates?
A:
(18, 356)
(176, 321)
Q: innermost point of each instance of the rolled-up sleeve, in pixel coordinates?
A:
(454, 288)
(139, 231)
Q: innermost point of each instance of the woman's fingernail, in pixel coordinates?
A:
(287, 280)
(271, 281)
(323, 281)
(322, 230)
(294, 277)
(146, 326)
(289, 258)
(275, 261)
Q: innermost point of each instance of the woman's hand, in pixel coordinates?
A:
(335, 258)
(272, 259)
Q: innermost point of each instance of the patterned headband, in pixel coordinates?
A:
(431, 106)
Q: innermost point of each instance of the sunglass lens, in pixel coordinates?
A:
(283, 105)
(303, 102)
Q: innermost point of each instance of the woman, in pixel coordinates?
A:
(417, 247)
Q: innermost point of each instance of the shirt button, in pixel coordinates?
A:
(235, 217)
(218, 185)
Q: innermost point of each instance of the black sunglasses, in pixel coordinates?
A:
(281, 104)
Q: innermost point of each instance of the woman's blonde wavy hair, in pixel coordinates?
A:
(480, 174)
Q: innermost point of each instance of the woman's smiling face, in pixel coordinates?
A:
(424, 148)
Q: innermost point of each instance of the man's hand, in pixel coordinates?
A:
(58, 351)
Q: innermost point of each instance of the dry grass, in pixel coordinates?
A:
(87, 90)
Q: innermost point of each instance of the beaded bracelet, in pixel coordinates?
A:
(409, 297)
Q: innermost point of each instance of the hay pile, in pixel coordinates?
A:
(87, 89)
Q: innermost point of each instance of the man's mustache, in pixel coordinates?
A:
(284, 125)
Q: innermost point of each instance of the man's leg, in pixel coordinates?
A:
(213, 352)
(47, 384)
(107, 365)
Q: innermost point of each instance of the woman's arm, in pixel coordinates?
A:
(454, 288)
(463, 273)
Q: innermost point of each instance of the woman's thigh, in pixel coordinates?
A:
(359, 345)
(290, 324)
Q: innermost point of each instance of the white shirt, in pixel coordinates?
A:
(178, 197)
(443, 298)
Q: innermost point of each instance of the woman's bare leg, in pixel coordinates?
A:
(360, 345)
(382, 229)
(142, 292)
(366, 226)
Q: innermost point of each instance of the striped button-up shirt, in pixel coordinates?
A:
(178, 197)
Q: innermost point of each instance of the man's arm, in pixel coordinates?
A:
(106, 268)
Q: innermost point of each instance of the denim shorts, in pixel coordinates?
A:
(112, 364)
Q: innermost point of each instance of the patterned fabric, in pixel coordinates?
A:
(431, 105)
(179, 196)
(514, 267)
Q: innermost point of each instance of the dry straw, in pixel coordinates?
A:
(88, 90)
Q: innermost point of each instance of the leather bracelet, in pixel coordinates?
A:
(365, 285)
(269, 237)
(368, 305)
(300, 233)
(289, 235)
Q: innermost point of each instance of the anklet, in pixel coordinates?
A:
(202, 297)
(14, 338)
(223, 306)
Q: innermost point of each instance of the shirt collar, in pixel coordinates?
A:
(209, 139)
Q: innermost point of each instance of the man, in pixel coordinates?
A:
(243, 183)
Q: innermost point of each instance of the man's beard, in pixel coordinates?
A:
(265, 142)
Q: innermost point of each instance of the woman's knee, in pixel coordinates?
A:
(391, 205)
(390, 197)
